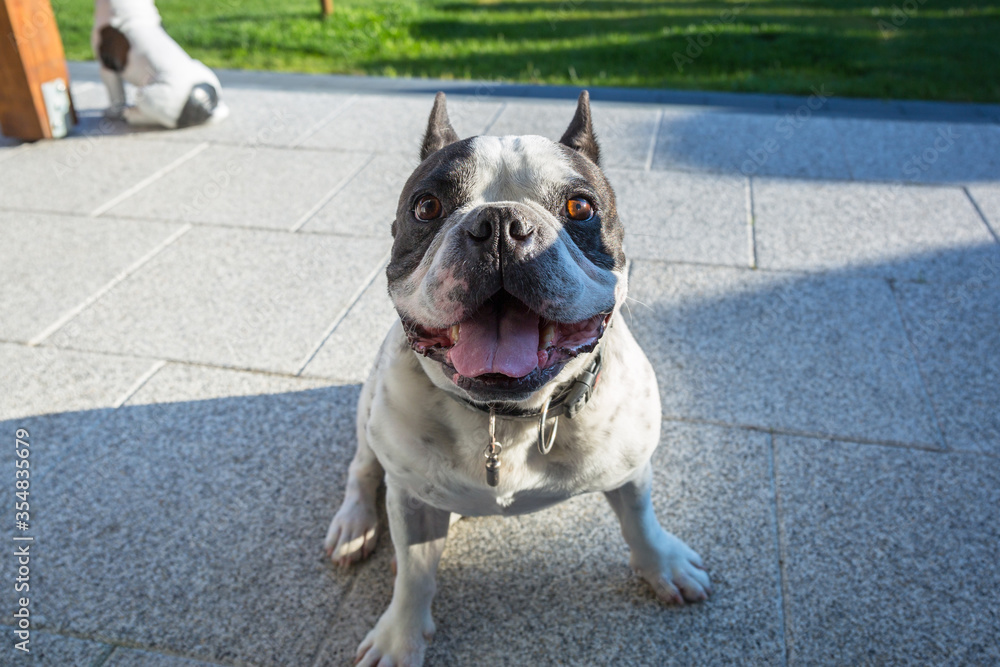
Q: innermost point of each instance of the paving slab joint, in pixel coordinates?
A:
(982, 216)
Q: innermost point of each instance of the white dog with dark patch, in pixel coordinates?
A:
(174, 90)
(510, 382)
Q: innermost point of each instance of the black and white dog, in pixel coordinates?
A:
(510, 382)
(174, 90)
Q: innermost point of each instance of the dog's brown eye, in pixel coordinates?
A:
(427, 208)
(579, 208)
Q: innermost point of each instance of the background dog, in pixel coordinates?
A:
(508, 274)
(174, 90)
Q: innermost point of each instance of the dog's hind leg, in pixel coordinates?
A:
(353, 532)
(671, 567)
(419, 532)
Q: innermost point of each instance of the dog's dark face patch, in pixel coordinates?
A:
(113, 49)
(508, 279)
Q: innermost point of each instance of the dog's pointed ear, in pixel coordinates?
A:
(580, 134)
(439, 133)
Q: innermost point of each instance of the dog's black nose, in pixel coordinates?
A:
(512, 228)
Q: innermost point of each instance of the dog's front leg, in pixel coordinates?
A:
(672, 568)
(418, 534)
(116, 92)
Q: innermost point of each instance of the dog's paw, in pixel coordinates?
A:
(116, 112)
(395, 641)
(353, 532)
(676, 573)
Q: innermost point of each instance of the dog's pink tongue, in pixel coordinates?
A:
(489, 342)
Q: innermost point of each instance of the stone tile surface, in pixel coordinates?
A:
(50, 264)
(58, 397)
(677, 216)
(397, 124)
(223, 185)
(49, 650)
(366, 205)
(898, 231)
(625, 133)
(745, 144)
(205, 499)
(879, 150)
(556, 585)
(897, 565)
(350, 351)
(987, 198)
(81, 173)
(956, 339)
(807, 353)
(251, 299)
(124, 657)
(277, 118)
(47, 380)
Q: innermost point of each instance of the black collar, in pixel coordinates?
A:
(568, 402)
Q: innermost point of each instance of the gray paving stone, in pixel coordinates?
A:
(48, 650)
(248, 186)
(880, 150)
(350, 352)
(244, 298)
(751, 144)
(257, 118)
(366, 206)
(126, 657)
(198, 513)
(890, 554)
(46, 380)
(397, 124)
(80, 173)
(956, 340)
(682, 216)
(272, 118)
(625, 133)
(987, 198)
(887, 230)
(58, 397)
(50, 264)
(812, 354)
(555, 587)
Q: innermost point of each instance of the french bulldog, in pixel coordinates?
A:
(510, 382)
(174, 90)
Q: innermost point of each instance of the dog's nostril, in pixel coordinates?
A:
(520, 230)
(480, 232)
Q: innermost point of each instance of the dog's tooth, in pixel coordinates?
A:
(453, 332)
(548, 333)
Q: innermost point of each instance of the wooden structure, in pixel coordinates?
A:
(34, 82)
(326, 7)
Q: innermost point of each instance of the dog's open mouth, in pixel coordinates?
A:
(505, 343)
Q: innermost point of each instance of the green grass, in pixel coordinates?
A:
(945, 50)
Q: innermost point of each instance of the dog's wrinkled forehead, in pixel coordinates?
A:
(518, 169)
(513, 168)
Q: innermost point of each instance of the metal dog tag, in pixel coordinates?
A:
(493, 470)
(492, 454)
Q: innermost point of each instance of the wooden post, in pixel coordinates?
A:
(34, 82)
(326, 6)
